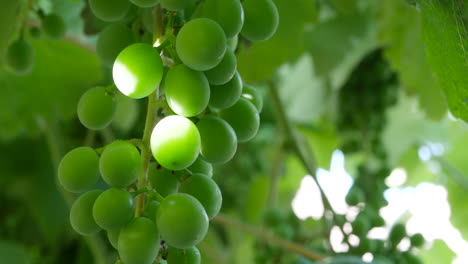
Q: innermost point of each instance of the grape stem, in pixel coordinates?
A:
(268, 237)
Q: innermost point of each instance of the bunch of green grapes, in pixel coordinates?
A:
(158, 207)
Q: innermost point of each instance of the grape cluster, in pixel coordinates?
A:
(209, 110)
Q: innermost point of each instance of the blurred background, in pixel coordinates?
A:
(364, 101)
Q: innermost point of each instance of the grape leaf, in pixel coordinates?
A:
(446, 45)
(63, 71)
(438, 253)
(256, 200)
(400, 33)
(13, 253)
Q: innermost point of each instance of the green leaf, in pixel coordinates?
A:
(259, 61)
(438, 253)
(401, 36)
(257, 198)
(13, 253)
(324, 141)
(63, 71)
(445, 38)
(9, 18)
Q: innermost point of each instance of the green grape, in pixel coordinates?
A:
(151, 208)
(113, 209)
(120, 164)
(112, 40)
(182, 221)
(243, 118)
(218, 139)
(35, 32)
(139, 241)
(147, 19)
(20, 57)
(226, 95)
(175, 142)
(81, 213)
(138, 70)
(183, 256)
(96, 109)
(201, 44)
(176, 5)
(145, 3)
(109, 10)
(232, 43)
(126, 113)
(113, 237)
(253, 95)
(201, 166)
(162, 180)
(79, 169)
(206, 191)
(53, 26)
(261, 20)
(187, 91)
(227, 13)
(224, 71)
(397, 233)
(417, 240)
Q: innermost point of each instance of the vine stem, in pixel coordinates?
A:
(266, 236)
(277, 166)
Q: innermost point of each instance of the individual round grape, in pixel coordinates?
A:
(232, 43)
(243, 118)
(206, 191)
(109, 10)
(175, 142)
(187, 91)
(81, 213)
(226, 95)
(137, 70)
(202, 167)
(120, 164)
(253, 95)
(224, 71)
(113, 209)
(35, 32)
(126, 113)
(53, 26)
(113, 237)
(20, 57)
(151, 208)
(112, 40)
(227, 13)
(139, 241)
(417, 240)
(201, 44)
(182, 221)
(96, 109)
(176, 5)
(183, 256)
(162, 180)
(218, 140)
(79, 169)
(144, 3)
(261, 20)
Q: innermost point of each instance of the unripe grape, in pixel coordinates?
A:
(253, 95)
(229, 14)
(232, 43)
(162, 180)
(243, 118)
(175, 142)
(187, 91)
(78, 170)
(139, 241)
(126, 113)
(109, 10)
(81, 213)
(20, 57)
(201, 44)
(201, 166)
(113, 237)
(218, 139)
(120, 164)
(96, 109)
(206, 191)
(183, 256)
(224, 71)
(113, 209)
(144, 3)
(151, 208)
(112, 40)
(138, 70)
(417, 240)
(176, 5)
(261, 20)
(226, 95)
(182, 220)
(35, 33)
(53, 26)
